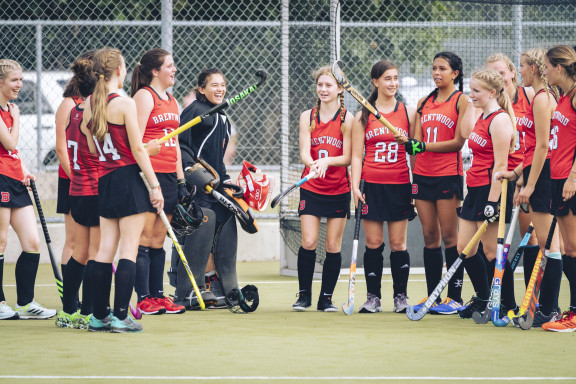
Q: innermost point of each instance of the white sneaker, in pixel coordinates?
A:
(372, 305)
(33, 310)
(6, 312)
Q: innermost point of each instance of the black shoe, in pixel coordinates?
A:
(191, 302)
(474, 305)
(325, 304)
(540, 318)
(504, 310)
(304, 301)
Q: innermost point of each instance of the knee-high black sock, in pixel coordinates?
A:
(306, 263)
(330, 272)
(400, 266)
(72, 280)
(142, 282)
(26, 269)
(490, 266)
(2, 297)
(550, 286)
(88, 289)
(157, 261)
(455, 283)
(102, 280)
(530, 256)
(62, 268)
(373, 264)
(432, 268)
(124, 284)
(476, 269)
(508, 298)
(569, 267)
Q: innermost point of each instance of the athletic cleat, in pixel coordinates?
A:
(81, 321)
(474, 305)
(372, 304)
(421, 303)
(168, 304)
(304, 301)
(447, 307)
(124, 326)
(214, 285)
(565, 323)
(207, 296)
(65, 320)
(33, 310)
(96, 325)
(325, 304)
(400, 303)
(6, 312)
(541, 319)
(149, 306)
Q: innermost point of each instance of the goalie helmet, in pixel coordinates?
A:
(257, 186)
(243, 300)
(186, 217)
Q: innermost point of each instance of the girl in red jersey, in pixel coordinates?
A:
(437, 185)
(83, 199)
(325, 148)
(158, 115)
(122, 196)
(386, 196)
(560, 70)
(490, 142)
(15, 204)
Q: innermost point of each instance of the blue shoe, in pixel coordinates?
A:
(96, 325)
(447, 307)
(125, 326)
(421, 303)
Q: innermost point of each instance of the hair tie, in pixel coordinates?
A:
(101, 76)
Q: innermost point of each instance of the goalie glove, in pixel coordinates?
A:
(414, 147)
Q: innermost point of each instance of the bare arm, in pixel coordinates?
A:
(9, 140)
(144, 105)
(358, 140)
(304, 138)
(501, 132)
(62, 119)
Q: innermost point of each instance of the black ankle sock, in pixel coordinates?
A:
(102, 282)
(508, 298)
(124, 284)
(550, 286)
(142, 282)
(2, 297)
(530, 256)
(400, 267)
(476, 269)
(432, 267)
(330, 272)
(26, 269)
(306, 263)
(72, 280)
(157, 261)
(455, 283)
(88, 289)
(373, 264)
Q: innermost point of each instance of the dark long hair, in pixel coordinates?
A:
(81, 84)
(142, 75)
(377, 70)
(455, 63)
(203, 78)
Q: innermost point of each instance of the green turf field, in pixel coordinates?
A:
(277, 345)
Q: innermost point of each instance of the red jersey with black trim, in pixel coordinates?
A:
(563, 138)
(326, 140)
(529, 133)
(10, 164)
(385, 161)
(520, 107)
(482, 149)
(114, 151)
(164, 118)
(438, 121)
(77, 100)
(83, 164)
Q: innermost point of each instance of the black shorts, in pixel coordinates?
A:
(122, 193)
(437, 187)
(63, 203)
(473, 207)
(540, 199)
(558, 205)
(329, 206)
(84, 210)
(169, 185)
(387, 202)
(13, 194)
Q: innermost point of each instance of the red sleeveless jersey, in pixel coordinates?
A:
(385, 161)
(326, 140)
(438, 121)
(163, 119)
(482, 160)
(520, 106)
(9, 160)
(83, 164)
(77, 100)
(563, 138)
(529, 134)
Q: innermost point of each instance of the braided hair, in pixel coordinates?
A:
(326, 71)
(535, 57)
(455, 63)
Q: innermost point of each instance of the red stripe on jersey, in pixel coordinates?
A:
(10, 164)
(438, 121)
(384, 160)
(563, 138)
(482, 149)
(77, 101)
(326, 140)
(520, 107)
(83, 164)
(164, 118)
(529, 133)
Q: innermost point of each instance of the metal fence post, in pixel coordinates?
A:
(167, 24)
(517, 33)
(39, 106)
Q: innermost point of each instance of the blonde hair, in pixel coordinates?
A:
(509, 64)
(7, 66)
(535, 57)
(106, 60)
(325, 71)
(492, 80)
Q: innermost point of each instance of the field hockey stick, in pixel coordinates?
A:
(135, 310)
(282, 195)
(412, 315)
(348, 308)
(177, 246)
(55, 269)
(341, 79)
(198, 119)
(529, 289)
(521, 247)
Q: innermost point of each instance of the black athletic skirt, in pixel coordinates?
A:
(559, 206)
(13, 194)
(169, 184)
(329, 206)
(122, 193)
(473, 207)
(387, 202)
(541, 197)
(63, 202)
(437, 187)
(84, 210)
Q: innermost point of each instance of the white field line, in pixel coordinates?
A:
(295, 378)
